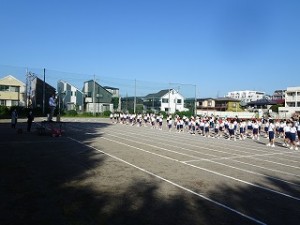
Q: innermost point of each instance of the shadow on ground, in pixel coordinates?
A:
(46, 180)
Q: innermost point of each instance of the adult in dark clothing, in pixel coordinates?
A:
(30, 118)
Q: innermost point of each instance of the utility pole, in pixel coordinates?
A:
(44, 94)
(169, 102)
(195, 105)
(94, 103)
(134, 103)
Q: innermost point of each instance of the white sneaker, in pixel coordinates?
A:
(296, 148)
(273, 146)
(268, 144)
(283, 144)
(291, 148)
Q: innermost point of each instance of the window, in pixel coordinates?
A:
(291, 104)
(179, 101)
(4, 88)
(165, 100)
(14, 102)
(14, 89)
(3, 102)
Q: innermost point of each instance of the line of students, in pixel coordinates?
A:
(230, 129)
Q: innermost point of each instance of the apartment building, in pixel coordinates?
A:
(12, 91)
(292, 103)
(246, 96)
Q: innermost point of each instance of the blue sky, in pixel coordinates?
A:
(217, 45)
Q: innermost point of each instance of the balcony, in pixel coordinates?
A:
(292, 98)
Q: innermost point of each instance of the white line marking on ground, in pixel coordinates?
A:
(230, 158)
(265, 168)
(209, 171)
(239, 156)
(175, 184)
(244, 170)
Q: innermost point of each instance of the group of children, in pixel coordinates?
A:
(228, 128)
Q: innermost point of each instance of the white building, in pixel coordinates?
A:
(246, 96)
(168, 100)
(292, 103)
(70, 97)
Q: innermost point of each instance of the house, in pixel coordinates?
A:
(12, 92)
(114, 91)
(278, 96)
(263, 103)
(292, 103)
(70, 97)
(97, 98)
(168, 100)
(39, 93)
(128, 104)
(218, 104)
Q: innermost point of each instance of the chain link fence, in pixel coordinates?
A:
(132, 93)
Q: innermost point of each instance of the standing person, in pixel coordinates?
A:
(287, 132)
(14, 118)
(206, 128)
(52, 105)
(271, 133)
(242, 126)
(293, 131)
(231, 130)
(30, 118)
(298, 131)
(255, 130)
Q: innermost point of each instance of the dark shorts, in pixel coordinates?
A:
(271, 135)
(231, 132)
(255, 131)
(288, 135)
(293, 136)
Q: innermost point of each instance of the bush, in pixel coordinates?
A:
(187, 114)
(4, 112)
(106, 113)
(71, 113)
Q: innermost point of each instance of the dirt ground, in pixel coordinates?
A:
(83, 178)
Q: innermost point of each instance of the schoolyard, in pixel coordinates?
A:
(98, 172)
